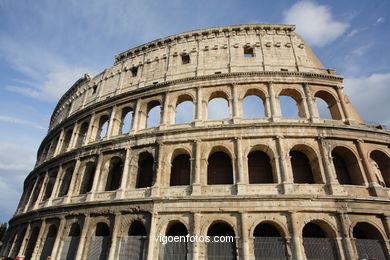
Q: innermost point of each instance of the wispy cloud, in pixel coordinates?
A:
(362, 49)
(379, 20)
(355, 32)
(314, 22)
(14, 120)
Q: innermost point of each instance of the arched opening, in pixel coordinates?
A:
(381, 165)
(103, 127)
(253, 107)
(327, 105)
(133, 245)
(100, 242)
(49, 242)
(317, 244)
(291, 105)
(346, 166)
(269, 243)
(259, 168)
(17, 244)
(218, 106)
(180, 170)
(82, 135)
(126, 120)
(66, 182)
(36, 191)
(145, 170)
(301, 168)
(154, 114)
(71, 242)
(226, 247)
(176, 250)
(219, 169)
(369, 242)
(49, 186)
(67, 138)
(32, 241)
(184, 110)
(89, 175)
(114, 176)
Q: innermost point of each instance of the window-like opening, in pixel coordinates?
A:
(37, 189)
(316, 243)
(222, 250)
(71, 243)
(145, 170)
(49, 242)
(49, 186)
(66, 182)
(103, 127)
(134, 71)
(114, 176)
(82, 135)
(180, 170)
(248, 52)
(154, 114)
(301, 168)
(53, 147)
(67, 138)
(253, 107)
(102, 230)
(268, 243)
(369, 242)
(219, 169)
(185, 58)
(218, 108)
(259, 168)
(89, 174)
(184, 112)
(137, 229)
(381, 166)
(100, 242)
(347, 166)
(18, 243)
(74, 230)
(32, 241)
(127, 120)
(289, 107)
(327, 105)
(133, 245)
(94, 89)
(176, 250)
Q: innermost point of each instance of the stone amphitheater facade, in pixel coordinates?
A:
(284, 188)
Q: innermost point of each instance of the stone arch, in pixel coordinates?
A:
(127, 118)
(102, 127)
(346, 165)
(297, 96)
(66, 180)
(88, 177)
(247, 103)
(153, 112)
(219, 166)
(100, 241)
(67, 138)
(260, 167)
(269, 241)
(380, 163)
(319, 240)
(133, 245)
(50, 184)
(146, 170)
(224, 110)
(305, 164)
(31, 242)
(332, 103)
(114, 175)
(17, 242)
(177, 250)
(223, 250)
(369, 241)
(71, 242)
(82, 133)
(182, 113)
(180, 168)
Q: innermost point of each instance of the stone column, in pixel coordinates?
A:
(25, 240)
(73, 181)
(75, 134)
(151, 244)
(136, 115)
(165, 113)
(40, 240)
(236, 108)
(114, 249)
(112, 123)
(240, 178)
(82, 250)
(197, 168)
(245, 236)
(59, 143)
(330, 175)
(275, 113)
(344, 107)
(196, 232)
(286, 177)
(159, 170)
(348, 248)
(91, 133)
(125, 175)
(313, 114)
(199, 108)
(59, 239)
(296, 239)
(95, 184)
(41, 190)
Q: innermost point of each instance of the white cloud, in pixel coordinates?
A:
(14, 120)
(356, 31)
(314, 23)
(379, 20)
(370, 96)
(361, 50)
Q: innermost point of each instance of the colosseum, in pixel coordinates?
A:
(109, 180)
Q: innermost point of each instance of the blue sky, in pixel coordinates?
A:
(46, 45)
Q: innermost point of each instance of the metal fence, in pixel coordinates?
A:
(270, 248)
(370, 249)
(132, 248)
(320, 248)
(221, 250)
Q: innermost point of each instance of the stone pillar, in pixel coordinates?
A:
(112, 123)
(59, 239)
(240, 178)
(73, 181)
(330, 175)
(275, 113)
(90, 195)
(136, 116)
(374, 188)
(344, 107)
(40, 240)
(165, 113)
(296, 239)
(41, 190)
(245, 236)
(114, 249)
(286, 177)
(60, 143)
(159, 170)
(125, 175)
(196, 232)
(25, 240)
(236, 106)
(313, 114)
(197, 168)
(57, 184)
(199, 108)
(92, 129)
(75, 134)
(348, 248)
(151, 244)
(82, 250)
